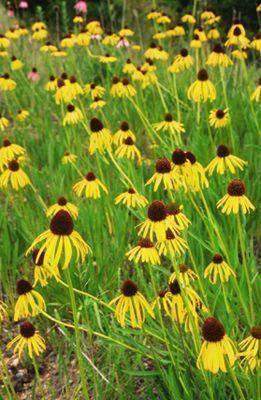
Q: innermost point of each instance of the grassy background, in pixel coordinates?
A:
(146, 371)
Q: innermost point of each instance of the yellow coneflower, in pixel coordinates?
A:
(22, 115)
(3, 54)
(94, 90)
(201, 34)
(144, 252)
(239, 54)
(153, 14)
(237, 37)
(162, 301)
(163, 174)
(156, 53)
(68, 41)
(128, 90)
(256, 95)
(163, 35)
(62, 204)
(59, 53)
(131, 302)
(225, 161)
(69, 158)
(185, 275)
(217, 348)
(16, 64)
(4, 42)
(181, 62)
(163, 19)
(40, 34)
(195, 42)
(4, 123)
(14, 175)
(73, 115)
(250, 349)
(197, 177)
(156, 223)
(218, 57)
(28, 338)
(10, 151)
(181, 171)
(129, 150)
(83, 38)
(38, 25)
(42, 271)
(107, 59)
(177, 308)
(176, 216)
(213, 34)
(172, 245)
(207, 14)
(212, 21)
(48, 47)
(219, 118)
(90, 185)
(123, 133)
(101, 138)
(235, 199)
(189, 19)
(60, 241)
(218, 269)
(256, 42)
(98, 102)
(116, 89)
(62, 92)
(51, 85)
(169, 124)
(111, 39)
(202, 89)
(29, 302)
(6, 83)
(148, 66)
(78, 19)
(131, 198)
(94, 27)
(128, 67)
(126, 31)
(12, 33)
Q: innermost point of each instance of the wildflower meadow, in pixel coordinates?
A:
(129, 192)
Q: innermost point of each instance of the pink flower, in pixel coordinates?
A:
(33, 75)
(23, 5)
(81, 7)
(123, 42)
(10, 13)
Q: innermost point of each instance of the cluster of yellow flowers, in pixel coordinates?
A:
(164, 232)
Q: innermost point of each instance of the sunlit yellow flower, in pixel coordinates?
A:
(110, 39)
(129, 150)
(256, 95)
(156, 223)
(156, 53)
(176, 305)
(196, 178)
(94, 90)
(60, 241)
(237, 35)
(153, 14)
(132, 199)
(218, 269)
(38, 25)
(3, 54)
(10, 151)
(176, 216)
(177, 30)
(235, 199)
(40, 34)
(78, 19)
(28, 338)
(169, 125)
(6, 83)
(94, 27)
(188, 18)
(97, 103)
(225, 161)
(256, 42)
(73, 115)
(219, 118)
(181, 172)
(207, 14)
(62, 204)
(218, 57)
(69, 158)
(4, 42)
(14, 175)
(83, 38)
(29, 302)
(128, 67)
(12, 33)
(51, 85)
(101, 138)
(185, 275)
(127, 89)
(202, 89)
(162, 301)
(43, 272)
(144, 252)
(239, 54)
(173, 245)
(163, 35)
(126, 32)
(16, 64)
(163, 174)
(89, 186)
(107, 59)
(22, 115)
(181, 62)
(163, 19)
(131, 302)
(195, 43)
(136, 47)
(217, 348)
(213, 34)
(68, 41)
(116, 89)
(250, 349)
(4, 123)
(123, 133)
(201, 34)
